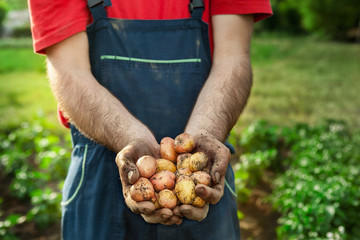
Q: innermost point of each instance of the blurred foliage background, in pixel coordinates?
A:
(331, 19)
(298, 136)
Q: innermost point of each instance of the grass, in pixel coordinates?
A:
(23, 96)
(24, 89)
(16, 4)
(303, 80)
(295, 80)
(16, 60)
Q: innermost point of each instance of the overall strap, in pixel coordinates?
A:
(196, 8)
(97, 8)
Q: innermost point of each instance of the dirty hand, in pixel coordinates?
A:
(219, 158)
(129, 174)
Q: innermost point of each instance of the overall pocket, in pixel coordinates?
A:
(160, 93)
(75, 178)
(90, 197)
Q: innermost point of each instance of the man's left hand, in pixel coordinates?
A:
(219, 158)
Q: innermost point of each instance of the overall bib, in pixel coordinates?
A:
(156, 68)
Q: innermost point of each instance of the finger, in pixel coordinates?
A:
(145, 207)
(173, 220)
(125, 161)
(164, 216)
(177, 212)
(211, 194)
(179, 221)
(220, 163)
(219, 155)
(195, 213)
(161, 215)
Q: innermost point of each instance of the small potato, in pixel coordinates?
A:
(198, 202)
(198, 161)
(142, 190)
(167, 150)
(163, 164)
(184, 143)
(163, 180)
(182, 171)
(183, 160)
(181, 177)
(201, 177)
(167, 199)
(185, 190)
(146, 166)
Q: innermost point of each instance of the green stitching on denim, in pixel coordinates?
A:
(121, 58)
(231, 191)
(81, 179)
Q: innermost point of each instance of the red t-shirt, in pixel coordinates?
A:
(53, 21)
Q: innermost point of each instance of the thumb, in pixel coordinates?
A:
(221, 162)
(125, 161)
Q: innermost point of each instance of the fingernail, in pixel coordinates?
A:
(147, 211)
(165, 216)
(217, 177)
(186, 211)
(179, 222)
(201, 190)
(130, 175)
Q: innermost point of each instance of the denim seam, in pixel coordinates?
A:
(81, 179)
(131, 59)
(231, 191)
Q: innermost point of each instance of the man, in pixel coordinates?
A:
(125, 84)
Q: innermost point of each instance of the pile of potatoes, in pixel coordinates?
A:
(171, 180)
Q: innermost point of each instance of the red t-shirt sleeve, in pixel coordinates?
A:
(260, 8)
(53, 21)
(62, 120)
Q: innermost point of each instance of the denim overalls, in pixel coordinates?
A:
(156, 68)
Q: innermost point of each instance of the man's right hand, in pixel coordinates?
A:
(129, 174)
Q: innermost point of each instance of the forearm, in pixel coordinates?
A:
(221, 102)
(88, 105)
(227, 88)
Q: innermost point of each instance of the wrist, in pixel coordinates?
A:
(132, 131)
(200, 128)
(140, 133)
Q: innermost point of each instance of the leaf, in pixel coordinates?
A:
(240, 215)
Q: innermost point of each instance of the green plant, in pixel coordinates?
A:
(286, 18)
(16, 4)
(330, 17)
(37, 160)
(259, 146)
(259, 136)
(3, 12)
(8, 223)
(22, 31)
(318, 194)
(316, 187)
(46, 207)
